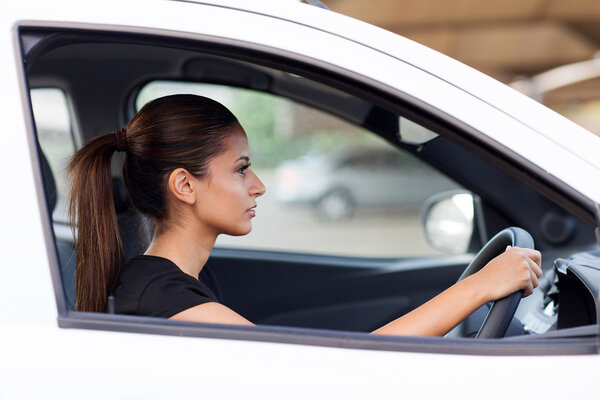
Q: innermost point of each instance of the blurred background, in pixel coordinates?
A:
(548, 49)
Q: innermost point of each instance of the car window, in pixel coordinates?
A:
(55, 136)
(332, 187)
(290, 141)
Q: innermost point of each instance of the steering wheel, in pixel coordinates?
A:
(502, 311)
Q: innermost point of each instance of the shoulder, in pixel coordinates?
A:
(144, 268)
(155, 286)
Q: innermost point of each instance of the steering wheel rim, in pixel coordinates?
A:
(502, 311)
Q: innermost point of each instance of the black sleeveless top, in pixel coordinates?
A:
(156, 287)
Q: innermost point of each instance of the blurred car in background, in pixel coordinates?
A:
(336, 184)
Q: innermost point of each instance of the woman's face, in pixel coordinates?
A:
(227, 197)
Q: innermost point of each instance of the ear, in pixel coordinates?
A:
(181, 185)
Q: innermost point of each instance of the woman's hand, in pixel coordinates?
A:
(515, 269)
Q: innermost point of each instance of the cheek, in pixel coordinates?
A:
(230, 201)
(224, 206)
(234, 195)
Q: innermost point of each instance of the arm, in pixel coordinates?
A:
(515, 269)
(213, 313)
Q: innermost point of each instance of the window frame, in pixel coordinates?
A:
(377, 93)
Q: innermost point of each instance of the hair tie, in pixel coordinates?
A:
(121, 139)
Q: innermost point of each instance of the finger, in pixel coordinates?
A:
(535, 255)
(534, 279)
(535, 268)
(528, 289)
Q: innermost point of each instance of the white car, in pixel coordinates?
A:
(522, 164)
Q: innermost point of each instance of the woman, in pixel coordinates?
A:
(187, 168)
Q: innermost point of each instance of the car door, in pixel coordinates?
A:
(145, 357)
(334, 293)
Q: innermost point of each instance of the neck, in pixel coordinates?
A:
(188, 250)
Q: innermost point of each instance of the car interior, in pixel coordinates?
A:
(102, 73)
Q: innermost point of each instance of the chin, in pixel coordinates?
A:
(240, 231)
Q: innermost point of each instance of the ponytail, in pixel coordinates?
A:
(92, 211)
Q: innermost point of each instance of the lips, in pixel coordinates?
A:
(251, 211)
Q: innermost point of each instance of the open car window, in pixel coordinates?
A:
(305, 274)
(332, 187)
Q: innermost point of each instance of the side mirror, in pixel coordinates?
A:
(451, 222)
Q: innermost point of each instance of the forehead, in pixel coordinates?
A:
(237, 144)
(236, 147)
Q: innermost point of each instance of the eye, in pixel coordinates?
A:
(242, 169)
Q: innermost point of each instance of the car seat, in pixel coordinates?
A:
(133, 226)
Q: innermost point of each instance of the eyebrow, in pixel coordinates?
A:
(243, 158)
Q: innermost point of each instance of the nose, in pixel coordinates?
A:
(257, 188)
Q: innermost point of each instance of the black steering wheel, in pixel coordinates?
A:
(502, 311)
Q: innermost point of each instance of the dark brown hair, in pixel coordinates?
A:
(179, 131)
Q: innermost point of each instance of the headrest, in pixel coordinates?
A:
(120, 195)
(48, 181)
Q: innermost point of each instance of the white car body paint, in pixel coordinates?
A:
(39, 359)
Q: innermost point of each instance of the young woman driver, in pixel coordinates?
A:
(187, 168)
